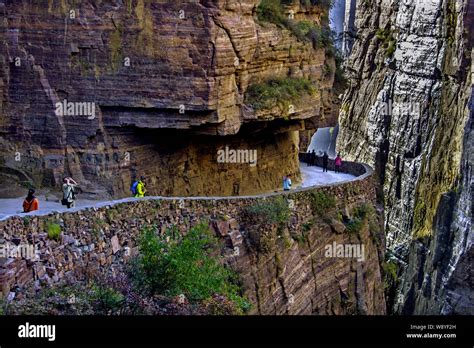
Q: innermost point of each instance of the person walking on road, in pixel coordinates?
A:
(312, 158)
(338, 163)
(31, 202)
(325, 162)
(138, 188)
(287, 183)
(69, 194)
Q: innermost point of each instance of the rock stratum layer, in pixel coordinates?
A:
(284, 267)
(407, 113)
(151, 68)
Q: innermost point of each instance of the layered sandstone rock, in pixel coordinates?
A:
(407, 113)
(149, 66)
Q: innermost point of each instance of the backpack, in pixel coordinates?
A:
(134, 188)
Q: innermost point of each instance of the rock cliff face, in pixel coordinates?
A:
(147, 69)
(407, 113)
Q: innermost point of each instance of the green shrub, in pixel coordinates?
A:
(278, 91)
(390, 271)
(274, 211)
(26, 220)
(322, 37)
(107, 299)
(188, 265)
(339, 77)
(391, 47)
(363, 211)
(354, 225)
(388, 41)
(360, 214)
(271, 11)
(321, 202)
(307, 226)
(55, 300)
(53, 230)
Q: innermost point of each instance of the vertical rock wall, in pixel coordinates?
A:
(406, 112)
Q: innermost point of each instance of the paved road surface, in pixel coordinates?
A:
(311, 176)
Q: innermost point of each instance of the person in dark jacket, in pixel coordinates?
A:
(325, 162)
(312, 158)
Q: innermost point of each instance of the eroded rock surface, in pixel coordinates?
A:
(151, 68)
(407, 114)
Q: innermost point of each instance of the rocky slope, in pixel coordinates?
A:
(407, 113)
(168, 82)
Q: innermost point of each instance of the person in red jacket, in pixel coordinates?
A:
(31, 202)
(338, 163)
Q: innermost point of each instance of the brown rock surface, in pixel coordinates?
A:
(152, 70)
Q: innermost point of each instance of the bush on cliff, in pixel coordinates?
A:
(107, 299)
(390, 272)
(270, 212)
(389, 43)
(278, 91)
(190, 265)
(272, 11)
(321, 202)
(53, 230)
(360, 214)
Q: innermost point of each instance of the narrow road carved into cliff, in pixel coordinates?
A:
(312, 177)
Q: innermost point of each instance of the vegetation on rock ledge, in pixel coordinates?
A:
(321, 202)
(271, 212)
(388, 41)
(271, 11)
(278, 91)
(172, 275)
(172, 265)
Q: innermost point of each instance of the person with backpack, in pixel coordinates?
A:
(31, 202)
(69, 195)
(138, 188)
(325, 162)
(338, 163)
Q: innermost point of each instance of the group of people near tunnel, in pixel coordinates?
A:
(313, 159)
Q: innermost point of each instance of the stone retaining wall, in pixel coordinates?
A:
(291, 275)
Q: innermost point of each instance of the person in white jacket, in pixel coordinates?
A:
(68, 192)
